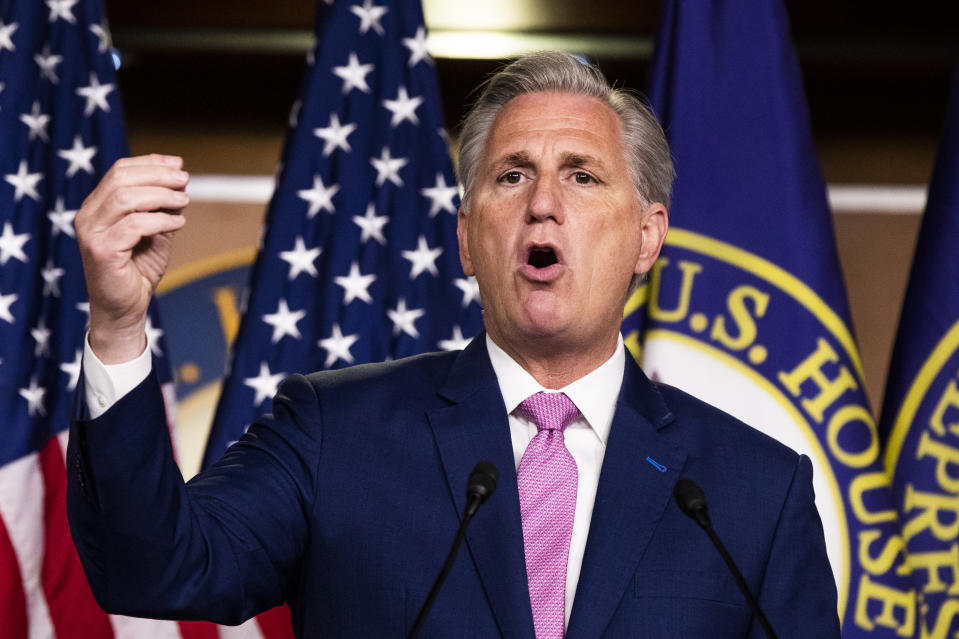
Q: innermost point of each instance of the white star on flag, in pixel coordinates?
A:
(73, 370)
(470, 289)
(153, 337)
(404, 319)
(387, 168)
(78, 156)
(34, 396)
(284, 322)
(301, 259)
(403, 107)
(62, 9)
(264, 383)
(369, 15)
(456, 343)
(61, 220)
(51, 275)
(37, 122)
(48, 64)
(102, 36)
(441, 196)
(355, 285)
(417, 47)
(5, 302)
(95, 95)
(354, 74)
(24, 182)
(423, 258)
(335, 135)
(371, 225)
(337, 346)
(6, 36)
(41, 335)
(319, 197)
(11, 244)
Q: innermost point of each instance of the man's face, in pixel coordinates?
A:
(556, 229)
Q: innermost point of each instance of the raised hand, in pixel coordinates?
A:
(125, 231)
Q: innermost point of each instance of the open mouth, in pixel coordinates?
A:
(541, 257)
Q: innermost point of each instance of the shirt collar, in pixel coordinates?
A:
(595, 393)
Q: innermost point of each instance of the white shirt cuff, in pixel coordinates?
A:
(105, 384)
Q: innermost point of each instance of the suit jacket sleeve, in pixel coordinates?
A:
(152, 546)
(798, 593)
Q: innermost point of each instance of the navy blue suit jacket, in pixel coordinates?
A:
(344, 502)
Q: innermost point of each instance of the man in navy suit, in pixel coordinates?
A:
(343, 502)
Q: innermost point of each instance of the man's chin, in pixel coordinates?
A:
(546, 329)
(544, 315)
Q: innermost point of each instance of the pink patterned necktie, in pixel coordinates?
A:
(547, 478)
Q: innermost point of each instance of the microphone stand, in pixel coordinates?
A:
(482, 483)
(692, 501)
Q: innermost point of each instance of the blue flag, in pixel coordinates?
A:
(746, 309)
(61, 128)
(920, 414)
(359, 262)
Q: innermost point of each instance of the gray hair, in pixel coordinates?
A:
(647, 153)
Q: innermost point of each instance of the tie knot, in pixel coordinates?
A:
(549, 411)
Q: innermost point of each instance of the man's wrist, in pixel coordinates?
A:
(116, 345)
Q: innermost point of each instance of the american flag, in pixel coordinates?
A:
(61, 128)
(359, 260)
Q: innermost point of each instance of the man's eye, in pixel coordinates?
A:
(582, 177)
(511, 177)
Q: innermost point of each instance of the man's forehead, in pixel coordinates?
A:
(554, 105)
(577, 129)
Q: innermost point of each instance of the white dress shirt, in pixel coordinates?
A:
(595, 396)
(105, 384)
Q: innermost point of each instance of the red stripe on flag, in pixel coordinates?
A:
(73, 610)
(198, 630)
(13, 602)
(276, 623)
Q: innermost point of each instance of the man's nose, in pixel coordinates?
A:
(546, 200)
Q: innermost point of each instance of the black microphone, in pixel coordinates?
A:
(479, 487)
(692, 501)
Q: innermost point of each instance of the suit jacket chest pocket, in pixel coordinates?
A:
(673, 603)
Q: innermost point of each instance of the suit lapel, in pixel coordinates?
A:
(475, 428)
(630, 500)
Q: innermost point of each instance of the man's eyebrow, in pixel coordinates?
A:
(574, 160)
(516, 158)
(569, 160)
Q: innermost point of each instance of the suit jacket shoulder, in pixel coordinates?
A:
(707, 430)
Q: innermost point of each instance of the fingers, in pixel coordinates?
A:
(173, 161)
(148, 170)
(132, 199)
(128, 233)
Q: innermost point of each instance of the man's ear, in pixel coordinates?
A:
(655, 223)
(462, 236)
